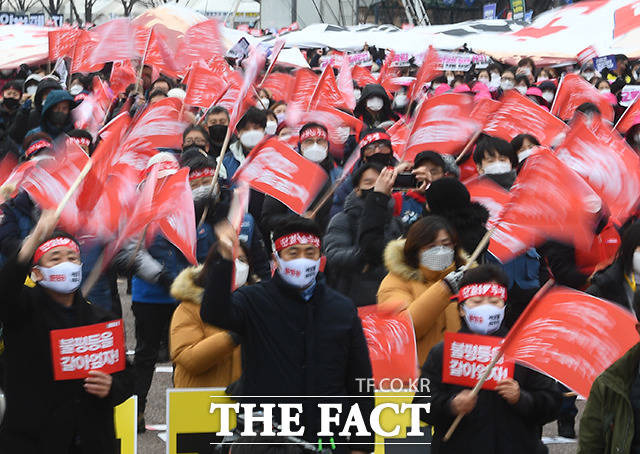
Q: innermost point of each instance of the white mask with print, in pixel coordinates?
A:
(484, 319)
(64, 277)
(299, 273)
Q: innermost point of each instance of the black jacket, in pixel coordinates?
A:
(611, 285)
(469, 223)
(559, 263)
(44, 415)
(292, 347)
(493, 426)
(354, 245)
(19, 216)
(30, 114)
(385, 114)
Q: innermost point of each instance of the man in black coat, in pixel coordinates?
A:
(299, 337)
(44, 415)
(506, 420)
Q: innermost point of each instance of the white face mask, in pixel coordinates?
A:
(524, 154)
(263, 103)
(497, 167)
(450, 79)
(242, 273)
(636, 138)
(343, 133)
(75, 90)
(315, 153)
(547, 96)
(484, 80)
(31, 89)
(521, 89)
(299, 273)
(375, 104)
(251, 138)
(484, 319)
(636, 262)
(400, 100)
(588, 76)
(271, 127)
(356, 93)
(605, 91)
(542, 78)
(201, 192)
(506, 85)
(63, 278)
(437, 258)
(281, 117)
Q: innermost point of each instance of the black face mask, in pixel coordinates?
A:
(58, 119)
(365, 192)
(380, 158)
(217, 133)
(11, 103)
(195, 148)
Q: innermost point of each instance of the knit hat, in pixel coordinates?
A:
(447, 194)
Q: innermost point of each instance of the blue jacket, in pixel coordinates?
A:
(523, 270)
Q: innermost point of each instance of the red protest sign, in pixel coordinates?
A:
(571, 336)
(76, 351)
(392, 344)
(466, 357)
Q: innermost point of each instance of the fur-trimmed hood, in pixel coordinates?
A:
(183, 287)
(395, 262)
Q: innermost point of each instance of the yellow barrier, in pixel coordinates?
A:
(126, 422)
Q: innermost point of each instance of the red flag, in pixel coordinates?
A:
(114, 41)
(122, 75)
(392, 344)
(483, 109)
(326, 92)
(571, 336)
(362, 76)
(443, 124)
(231, 95)
(84, 45)
(303, 87)
(611, 169)
(630, 117)
(489, 194)
(179, 225)
(345, 84)
(331, 118)
(429, 70)
(204, 86)
(255, 63)
(275, 52)
(572, 92)
(279, 85)
(62, 42)
(399, 133)
(387, 71)
(519, 115)
(549, 200)
(156, 52)
(277, 170)
(200, 41)
(92, 111)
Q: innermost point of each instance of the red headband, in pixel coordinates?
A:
(37, 145)
(375, 137)
(312, 133)
(206, 172)
(81, 141)
(296, 238)
(490, 289)
(53, 243)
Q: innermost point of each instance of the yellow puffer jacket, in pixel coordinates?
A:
(423, 294)
(204, 356)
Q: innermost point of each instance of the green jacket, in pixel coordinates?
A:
(607, 424)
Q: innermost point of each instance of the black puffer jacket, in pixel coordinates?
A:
(355, 242)
(30, 114)
(385, 114)
(469, 223)
(611, 285)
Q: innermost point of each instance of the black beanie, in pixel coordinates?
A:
(447, 194)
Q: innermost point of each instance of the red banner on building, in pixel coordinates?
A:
(76, 351)
(466, 357)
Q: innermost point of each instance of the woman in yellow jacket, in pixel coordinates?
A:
(203, 355)
(416, 280)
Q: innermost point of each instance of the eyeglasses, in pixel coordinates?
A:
(198, 142)
(381, 146)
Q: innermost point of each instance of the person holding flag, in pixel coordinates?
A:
(506, 420)
(44, 415)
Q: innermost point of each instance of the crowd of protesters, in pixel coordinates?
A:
(271, 309)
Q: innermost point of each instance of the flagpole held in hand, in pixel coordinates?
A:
(225, 145)
(487, 372)
(481, 245)
(468, 145)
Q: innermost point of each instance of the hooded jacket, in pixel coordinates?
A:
(354, 245)
(422, 294)
(204, 356)
(469, 223)
(385, 114)
(611, 285)
(607, 424)
(494, 426)
(30, 114)
(55, 97)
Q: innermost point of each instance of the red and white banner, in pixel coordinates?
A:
(392, 344)
(279, 85)
(115, 40)
(201, 41)
(572, 92)
(571, 336)
(429, 70)
(204, 86)
(76, 351)
(519, 115)
(326, 93)
(466, 357)
(442, 124)
(277, 170)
